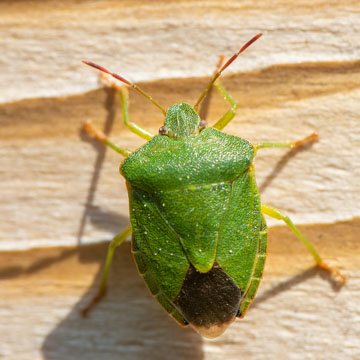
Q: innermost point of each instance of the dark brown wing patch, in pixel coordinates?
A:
(208, 300)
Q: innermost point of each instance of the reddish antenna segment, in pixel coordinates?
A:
(127, 82)
(218, 73)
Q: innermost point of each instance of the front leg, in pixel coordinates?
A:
(124, 99)
(230, 114)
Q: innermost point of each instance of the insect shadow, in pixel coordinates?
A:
(275, 172)
(101, 151)
(99, 217)
(127, 324)
(294, 281)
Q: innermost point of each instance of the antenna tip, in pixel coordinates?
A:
(96, 66)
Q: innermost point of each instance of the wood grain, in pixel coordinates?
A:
(61, 190)
(298, 312)
(43, 42)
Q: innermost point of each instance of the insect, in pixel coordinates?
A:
(199, 235)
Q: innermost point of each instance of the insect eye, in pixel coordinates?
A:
(202, 124)
(162, 130)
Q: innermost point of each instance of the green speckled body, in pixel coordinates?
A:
(199, 238)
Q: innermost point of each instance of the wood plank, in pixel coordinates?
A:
(59, 188)
(43, 42)
(298, 312)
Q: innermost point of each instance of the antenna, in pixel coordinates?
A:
(134, 86)
(218, 73)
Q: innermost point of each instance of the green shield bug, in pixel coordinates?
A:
(199, 235)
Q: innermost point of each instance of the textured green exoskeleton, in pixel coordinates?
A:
(197, 225)
(198, 232)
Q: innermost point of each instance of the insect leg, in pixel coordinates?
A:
(92, 131)
(124, 98)
(229, 115)
(288, 144)
(116, 241)
(138, 130)
(277, 214)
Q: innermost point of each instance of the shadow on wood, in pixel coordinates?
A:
(127, 324)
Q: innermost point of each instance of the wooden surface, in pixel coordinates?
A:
(59, 188)
(298, 313)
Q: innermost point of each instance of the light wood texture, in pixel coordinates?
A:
(60, 188)
(43, 42)
(298, 313)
